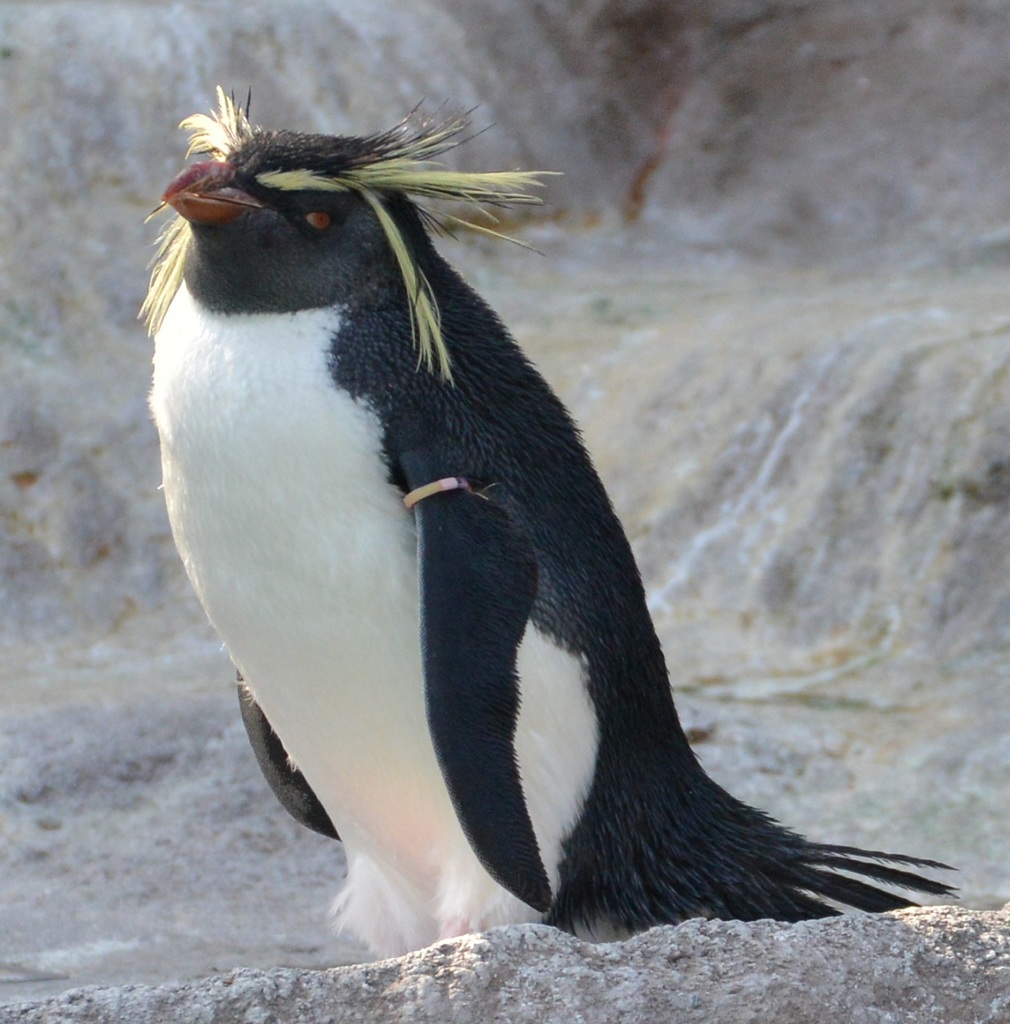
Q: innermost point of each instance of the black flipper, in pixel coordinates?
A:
(288, 784)
(478, 580)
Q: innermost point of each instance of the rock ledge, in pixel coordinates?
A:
(939, 964)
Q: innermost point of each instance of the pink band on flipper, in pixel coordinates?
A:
(448, 483)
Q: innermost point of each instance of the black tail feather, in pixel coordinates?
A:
(890, 858)
(851, 892)
(867, 863)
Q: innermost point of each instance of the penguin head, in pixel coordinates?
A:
(278, 221)
(255, 249)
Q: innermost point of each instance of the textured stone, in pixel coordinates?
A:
(140, 843)
(916, 967)
(826, 130)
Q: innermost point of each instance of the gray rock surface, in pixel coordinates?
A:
(928, 967)
(816, 129)
(810, 457)
(139, 844)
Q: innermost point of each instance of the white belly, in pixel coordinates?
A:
(304, 558)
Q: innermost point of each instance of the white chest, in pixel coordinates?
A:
(273, 478)
(301, 553)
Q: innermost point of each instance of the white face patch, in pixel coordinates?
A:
(304, 558)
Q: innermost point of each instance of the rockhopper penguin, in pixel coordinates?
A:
(390, 519)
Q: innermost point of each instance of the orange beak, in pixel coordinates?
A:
(203, 194)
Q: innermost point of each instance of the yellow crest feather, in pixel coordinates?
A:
(166, 275)
(218, 136)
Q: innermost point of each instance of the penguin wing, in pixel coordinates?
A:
(288, 784)
(478, 580)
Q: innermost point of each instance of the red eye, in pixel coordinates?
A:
(319, 219)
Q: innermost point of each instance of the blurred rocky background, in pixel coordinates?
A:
(773, 287)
